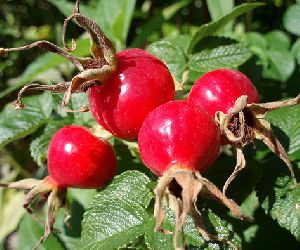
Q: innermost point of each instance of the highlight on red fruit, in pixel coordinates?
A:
(233, 101)
(140, 83)
(179, 133)
(178, 141)
(76, 159)
(219, 89)
(79, 159)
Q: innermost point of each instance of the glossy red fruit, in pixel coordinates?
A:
(76, 159)
(79, 159)
(179, 133)
(218, 90)
(140, 83)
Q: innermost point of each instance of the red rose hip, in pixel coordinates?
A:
(178, 141)
(140, 83)
(76, 159)
(219, 89)
(79, 159)
(179, 133)
(233, 101)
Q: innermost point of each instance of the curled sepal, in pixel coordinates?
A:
(92, 70)
(232, 124)
(46, 45)
(181, 187)
(41, 190)
(240, 165)
(244, 123)
(101, 46)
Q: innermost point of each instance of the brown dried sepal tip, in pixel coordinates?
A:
(181, 188)
(92, 70)
(2, 51)
(244, 123)
(42, 191)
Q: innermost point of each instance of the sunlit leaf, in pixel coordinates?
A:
(17, 124)
(221, 57)
(212, 28)
(291, 19)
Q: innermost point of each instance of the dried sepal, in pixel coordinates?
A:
(240, 165)
(181, 188)
(92, 71)
(48, 46)
(57, 88)
(101, 46)
(41, 190)
(202, 230)
(244, 123)
(25, 184)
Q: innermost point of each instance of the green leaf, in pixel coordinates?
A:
(69, 242)
(277, 198)
(295, 50)
(180, 41)
(282, 65)
(171, 55)
(117, 215)
(83, 196)
(171, 10)
(10, 211)
(17, 124)
(212, 223)
(65, 7)
(288, 120)
(113, 17)
(82, 118)
(255, 39)
(219, 8)
(291, 19)
(212, 28)
(113, 224)
(278, 40)
(157, 240)
(117, 16)
(155, 23)
(30, 232)
(258, 45)
(57, 100)
(37, 67)
(221, 57)
(250, 204)
(215, 226)
(39, 146)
